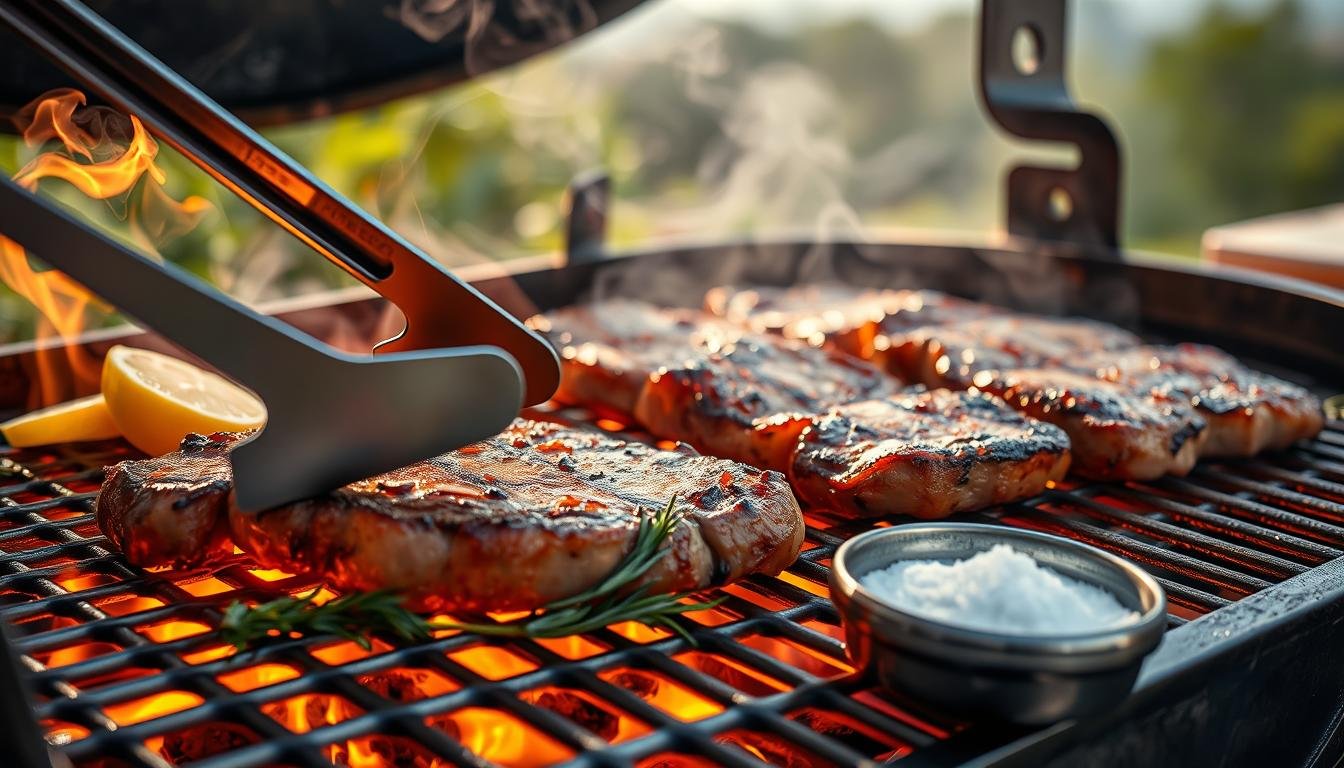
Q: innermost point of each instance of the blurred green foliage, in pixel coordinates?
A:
(1257, 115)
(713, 129)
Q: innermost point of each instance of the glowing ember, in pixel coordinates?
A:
(403, 685)
(573, 647)
(346, 651)
(310, 711)
(209, 653)
(79, 583)
(204, 587)
(150, 707)
(257, 677)
(169, 631)
(821, 590)
(270, 574)
(798, 656)
(382, 751)
(73, 654)
(501, 738)
(857, 736)
(122, 605)
(492, 663)
(664, 693)
(674, 760)
(732, 672)
(772, 750)
(640, 633)
(198, 742)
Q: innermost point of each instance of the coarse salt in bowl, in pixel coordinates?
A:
(999, 590)
(1015, 624)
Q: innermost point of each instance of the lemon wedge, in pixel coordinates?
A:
(83, 419)
(155, 400)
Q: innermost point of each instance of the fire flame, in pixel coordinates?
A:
(104, 155)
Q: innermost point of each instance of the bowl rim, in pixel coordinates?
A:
(1140, 635)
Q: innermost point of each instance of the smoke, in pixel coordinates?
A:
(780, 162)
(496, 32)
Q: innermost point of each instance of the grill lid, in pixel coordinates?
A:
(272, 62)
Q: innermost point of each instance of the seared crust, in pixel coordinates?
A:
(752, 399)
(171, 510)
(1247, 411)
(859, 321)
(608, 349)
(690, 377)
(815, 314)
(1116, 431)
(926, 454)
(538, 513)
(972, 351)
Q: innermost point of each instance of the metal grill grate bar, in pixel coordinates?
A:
(1199, 544)
(1210, 539)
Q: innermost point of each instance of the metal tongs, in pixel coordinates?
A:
(459, 372)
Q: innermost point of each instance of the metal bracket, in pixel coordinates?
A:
(1022, 83)
(586, 224)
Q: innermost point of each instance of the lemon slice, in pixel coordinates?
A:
(155, 400)
(83, 419)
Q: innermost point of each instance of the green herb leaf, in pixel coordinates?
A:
(357, 615)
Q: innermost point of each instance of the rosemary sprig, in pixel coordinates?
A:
(357, 615)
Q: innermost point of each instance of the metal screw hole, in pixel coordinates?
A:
(1027, 50)
(1060, 204)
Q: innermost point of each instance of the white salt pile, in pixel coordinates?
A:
(1001, 590)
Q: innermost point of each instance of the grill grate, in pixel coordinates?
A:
(127, 671)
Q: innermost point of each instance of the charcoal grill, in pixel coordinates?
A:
(124, 668)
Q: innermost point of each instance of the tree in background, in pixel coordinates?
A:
(1256, 108)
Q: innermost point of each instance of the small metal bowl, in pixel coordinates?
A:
(1027, 679)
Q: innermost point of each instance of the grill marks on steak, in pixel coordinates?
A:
(1115, 430)
(751, 399)
(1131, 411)
(538, 513)
(970, 352)
(690, 377)
(781, 404)
(171, 510)
(607, 350)
(926, 454)
(859, 321)
(1246, 411)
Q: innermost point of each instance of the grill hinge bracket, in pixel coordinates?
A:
(1022, 82)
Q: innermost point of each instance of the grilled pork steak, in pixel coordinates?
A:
(926, 454)
(538, 513)
(608, 349)
(171, 510)
(726, 390)
(1130, 411)
(1116, 430)
(1247, 411)
(859, 321)
(971, 351)
(751, 395)
(752, 399)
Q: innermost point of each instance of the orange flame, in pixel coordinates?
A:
(103, 155)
